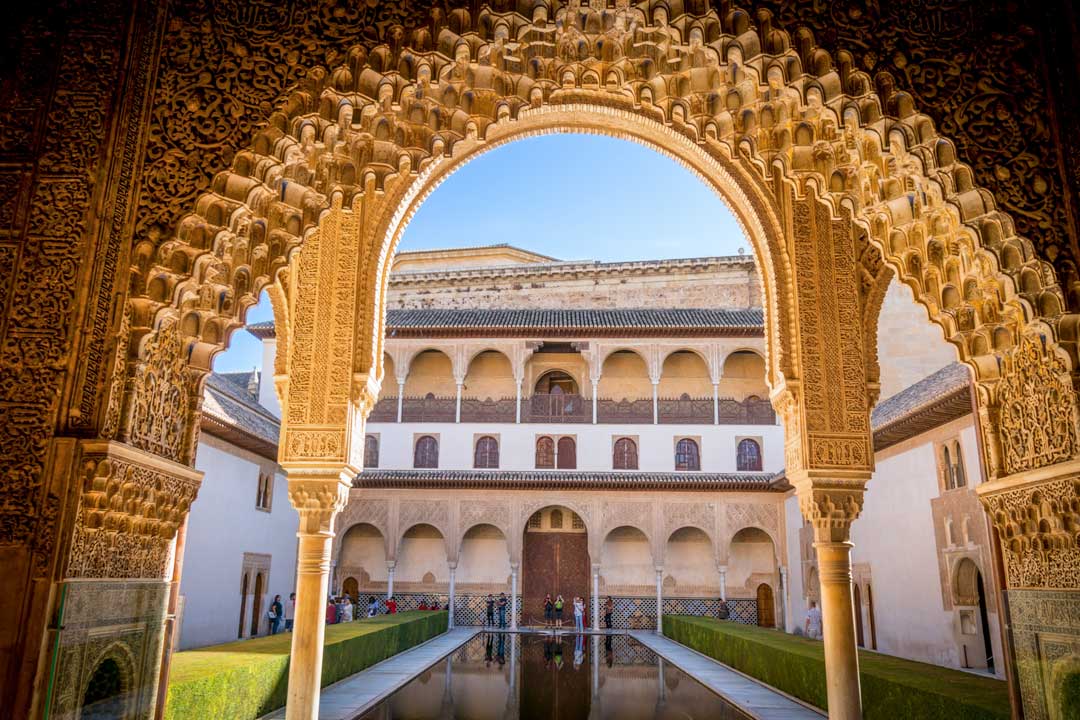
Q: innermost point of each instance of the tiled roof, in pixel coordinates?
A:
(233, 415)
(562, 321)
(933, 401)
(563, 480)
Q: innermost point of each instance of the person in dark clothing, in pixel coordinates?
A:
(502, 610)
(609, 609)
(490, 610)
(277, 612)
(549, 609)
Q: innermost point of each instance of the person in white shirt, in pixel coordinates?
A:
(813, 621)
(579, 614)
(290, 611)
(347, 609)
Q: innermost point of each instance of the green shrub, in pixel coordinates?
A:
(249, 678)
(891, 687)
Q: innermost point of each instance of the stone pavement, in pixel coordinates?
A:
(757, 699)
(349, 698)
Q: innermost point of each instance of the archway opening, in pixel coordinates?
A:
(483, 569)
(555, 561)
(628, 575)
(361, 562)
(422, 573)
(751, 563)
(106, 695)
(691, 575)
(257, 604)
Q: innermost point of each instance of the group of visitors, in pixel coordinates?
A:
(279, 612)
(342, 609)
(554, 607)
(433, 604)
(500, 605)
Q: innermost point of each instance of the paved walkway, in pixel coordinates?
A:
(752, 697)
(348, 698)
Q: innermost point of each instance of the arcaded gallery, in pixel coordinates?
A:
(540, 359)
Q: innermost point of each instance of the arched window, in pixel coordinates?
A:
(555, 519)
(486, 454)
(264, 491)
(567, 456)
(545, 453)
(948, 469)
(959, 476)
(426, 454)
(687, 456)
(625, 455)
(556, 382)
(371, 452)
(748, 456)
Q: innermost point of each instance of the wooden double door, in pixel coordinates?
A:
(556, 563)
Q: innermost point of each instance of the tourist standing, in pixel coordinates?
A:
(290, 612)
(813, 621)
(558, 609)
(579, 614)
(347, 609)
(372, 606)
(609, 610)
(391, 606)
(549, 609)
(331, 611)
(502, 610)
(490, 610)
(276, 611)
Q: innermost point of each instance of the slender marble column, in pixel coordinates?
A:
(453, 572)
(660, 600)
(517, 390)
(513, 596)
(783, 598)
(390, 565)
(457, 407)
(723, 582)
(716, 403)
(656, 402)
(838, 624)
(400, 397)
(305, 668)
(596, 596)
(595, 391)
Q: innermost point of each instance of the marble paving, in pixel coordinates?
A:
(757, 699)
(349, 698)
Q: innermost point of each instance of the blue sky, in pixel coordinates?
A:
(574, 197)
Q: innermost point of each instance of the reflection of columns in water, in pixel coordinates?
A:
(390, 565)
(659, 599)
(450, 601)
(596, 669)
(513, 596)
(596, 596)
(513, 665)
(662, 694)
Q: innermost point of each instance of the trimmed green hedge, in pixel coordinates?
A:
(249, 678)
(891, 687)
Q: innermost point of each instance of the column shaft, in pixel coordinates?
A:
(305, 668)
(716, 403)
(517, 389)
(457, 407)
(838, 625)
(655, 403)
(595, 390)
(513, 597)
(596, 597)
(400, 399)
(390, 583)
(723, 584)
(453, 571)
(660, 600)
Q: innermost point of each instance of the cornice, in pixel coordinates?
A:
(935, 413)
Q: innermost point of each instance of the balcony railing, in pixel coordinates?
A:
(624, 412)
(685, 411)
(503, 410)
(429, 409)
(556, 409)
(541, 408)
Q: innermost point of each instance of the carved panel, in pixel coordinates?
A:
(475, 512)
(637, 515)
(759, 515)
(431, 512)
(1046, 633)
(680, 514)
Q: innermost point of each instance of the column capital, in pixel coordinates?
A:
(513, 566)
(391, 564)
(831, 507)
(595, 568)
(318, 498)
(452, 564)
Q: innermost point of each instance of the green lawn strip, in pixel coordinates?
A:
(249, 678)
(891, 687)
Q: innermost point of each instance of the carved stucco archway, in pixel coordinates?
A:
(835, 189)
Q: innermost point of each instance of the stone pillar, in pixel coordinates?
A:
(513, 596)
(317, 501)
(450, 602)
(517, 390)
(390, 565)
(656, 402)
(723, 582)
(400, 398)
(838, 625)
(596, 596)
(660, 599)
(457, 406)
(595, 391)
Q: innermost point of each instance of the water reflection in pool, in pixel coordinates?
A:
(498, 675)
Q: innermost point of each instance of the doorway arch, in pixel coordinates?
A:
(766, 606)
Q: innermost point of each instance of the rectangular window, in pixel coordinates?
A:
(264, 492)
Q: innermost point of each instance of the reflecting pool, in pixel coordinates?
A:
(497, 675)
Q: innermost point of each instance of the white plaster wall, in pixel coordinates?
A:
(517, 444)
(748, 557)
(222, 526)
(625, 559)
(418, 553)
(483, 558)
(690, 561)
(796, 602)
(908, 612)
(363, 547)
(267, 394)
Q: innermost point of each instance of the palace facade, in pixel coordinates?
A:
(534, 435)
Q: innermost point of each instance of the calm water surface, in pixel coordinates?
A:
(541, 677)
